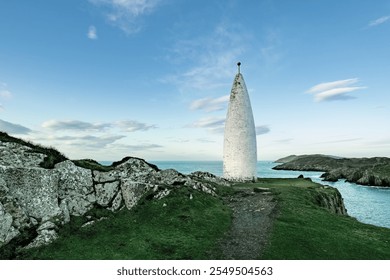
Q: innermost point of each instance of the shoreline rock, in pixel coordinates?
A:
(363, 171)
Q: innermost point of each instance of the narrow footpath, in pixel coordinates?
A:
(253, 215)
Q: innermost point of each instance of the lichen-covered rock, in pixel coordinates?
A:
(171, 177)
(64, 211)
(5, 224)
(20, 219)
(136, 170)
(35, 189)
(75, 186)
(45, 236)
(133, 191)
(17, 155)
(102, 177)
(161, 194)
(211, 178)
(117, 202)
(105, 192)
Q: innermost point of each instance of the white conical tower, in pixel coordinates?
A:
(239, 149)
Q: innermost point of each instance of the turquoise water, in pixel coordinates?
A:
(369, 205)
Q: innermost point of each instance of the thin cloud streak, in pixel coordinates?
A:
(76, 125)
(262, 129)
(210, 104)
(331, 85)
(131, 126)
(337, 90)
(336, 93)
(379, 21)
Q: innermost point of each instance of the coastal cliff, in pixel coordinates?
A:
(364, 171)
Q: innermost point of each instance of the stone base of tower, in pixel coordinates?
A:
(238, 173)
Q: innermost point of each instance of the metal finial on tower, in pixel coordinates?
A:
(238, 64)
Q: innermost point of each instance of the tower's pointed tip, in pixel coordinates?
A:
(238, 65)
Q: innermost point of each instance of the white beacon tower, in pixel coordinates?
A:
(239, 149)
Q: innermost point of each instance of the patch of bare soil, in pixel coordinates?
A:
(253, 215)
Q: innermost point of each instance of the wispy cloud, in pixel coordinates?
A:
(131, 126)
(209, 122)
(76, 125)
(5, 94)
(212, 58)
(217, 125)
(138, 147)
(212, 124)
(87, 141)
(337, 90)
(379, 21)
(126, 13)
(210, 104)
(262, 129)
(13, 128)
(92, 33)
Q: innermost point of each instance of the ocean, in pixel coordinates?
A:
(368, 204)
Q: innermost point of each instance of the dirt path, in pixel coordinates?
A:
(253, 214)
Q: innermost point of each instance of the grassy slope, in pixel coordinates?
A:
(305, 231)
(183, 229)
(190, 229)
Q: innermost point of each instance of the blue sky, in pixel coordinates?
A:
(104, 79)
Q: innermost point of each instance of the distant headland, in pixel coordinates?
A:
(373, 171)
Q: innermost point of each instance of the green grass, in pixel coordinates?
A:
(304, 230)
(183, 229)
(92, 165)
(191, 229)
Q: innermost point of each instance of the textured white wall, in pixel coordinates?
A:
(239, 150)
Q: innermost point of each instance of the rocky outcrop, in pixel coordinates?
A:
(363, 171)
(331, 199)
(43, 200)
(16, 155)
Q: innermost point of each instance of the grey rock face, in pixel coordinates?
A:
(16, 155)
(105, 192)
(133, 191)
(5, 225)
(75, 186)
(35, 189)
(117, 202)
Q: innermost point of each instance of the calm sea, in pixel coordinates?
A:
(368, 204)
